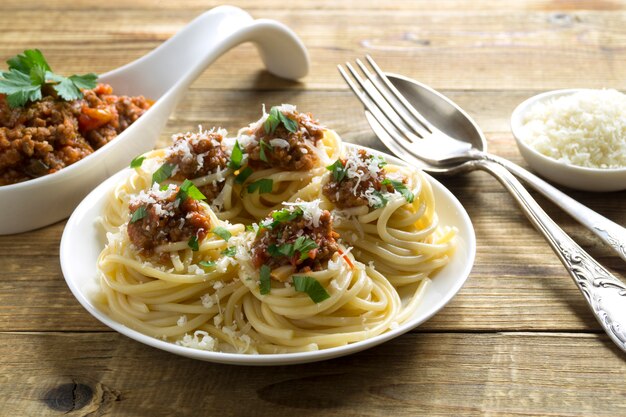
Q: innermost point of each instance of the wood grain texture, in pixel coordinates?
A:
(499, 374)
(517, 340)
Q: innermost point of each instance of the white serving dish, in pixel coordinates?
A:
(572, 176)
(162, 75)
(83, 241)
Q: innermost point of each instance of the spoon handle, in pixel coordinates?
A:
(605, 294)
(609, 232)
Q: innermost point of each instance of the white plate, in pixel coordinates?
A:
(83, 240)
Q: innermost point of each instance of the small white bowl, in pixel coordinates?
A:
(572, 176)
(162, 75)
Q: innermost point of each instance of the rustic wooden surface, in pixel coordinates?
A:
(517, 340)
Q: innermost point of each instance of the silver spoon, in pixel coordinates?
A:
(605, 294)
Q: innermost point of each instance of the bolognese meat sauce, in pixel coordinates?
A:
(285, 144)
(159, 216)
(356, 181)
(197, 155)
(292, 236)
(50, 134)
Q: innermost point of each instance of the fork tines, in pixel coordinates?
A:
(386, 104)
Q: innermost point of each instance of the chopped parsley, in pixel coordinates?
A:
(381, 198)
(236, 157)
(222, 232)
(230, 251)
(264, 145)
(207, 264)
(265, 285)
(284, 215)
(29, 73)
(188, 189)
(243, 175)
(311, 287)
(264, 186)
(193, 243)
(139, 214)
(401, 188)
(338, 170)
(163, 173)
(302, 245)
(136, 163)
(380, 161)
(275, 118)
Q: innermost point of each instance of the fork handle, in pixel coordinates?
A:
(605, 294)
(609, 232)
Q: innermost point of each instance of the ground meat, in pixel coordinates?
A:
(350, 191)
(197, 155)
(299, 156)
(167, 219)
(287, 233)
(48, 135)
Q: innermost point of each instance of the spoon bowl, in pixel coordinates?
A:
(162, 75)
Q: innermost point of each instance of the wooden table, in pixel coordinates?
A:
(517, 340)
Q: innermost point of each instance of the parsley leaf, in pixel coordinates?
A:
(380, 161)
(136, 163)
(207, 264)
(139, 214)
(281, 250)
(275, 118)
(272, 121)
(382, 200)
(401, 188)
(243, 175)
(311, 286)
(289, 124)
(163, 173)
(230, 251)
(265, 285)
(264, 186)
(193, 243)
(338, 169)
(236, 157)
(188, 189)
(303, 245)
(222, 232)
(264, 145)
(29, 73)
(287, 214)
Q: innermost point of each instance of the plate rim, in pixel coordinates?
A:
(262, 359)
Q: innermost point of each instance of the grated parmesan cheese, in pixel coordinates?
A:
(311, 211)
(182, 320)
(200, 340)
(587, 128)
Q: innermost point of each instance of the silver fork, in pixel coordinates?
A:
(417, 141)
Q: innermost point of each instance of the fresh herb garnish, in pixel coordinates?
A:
(236, 157)
(222, 232)
(207, 264)
(139, 214)
(264, 186)
(265, 285)
(230, 251)
(287, 214)
(275, 117)
(243, 175)
(380, 161)
(29, 73)
(302, 245)
(188, 189)
(163, 173)
(164, 187)
(193, 243)
(338, 169)
(264, 145)
(401, 188)
(249, 228)
(136, 163)
(381, 198)
(311, 286)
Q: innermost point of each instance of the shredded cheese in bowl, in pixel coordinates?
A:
(587, 128)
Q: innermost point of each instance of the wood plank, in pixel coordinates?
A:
(502, 50)
(499, 374)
